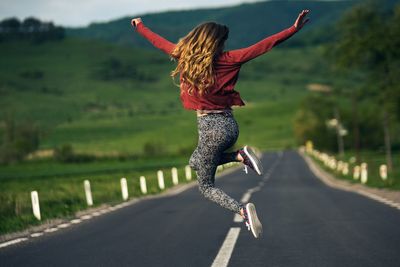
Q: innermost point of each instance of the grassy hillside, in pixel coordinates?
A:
(103, 98)
(256, 20)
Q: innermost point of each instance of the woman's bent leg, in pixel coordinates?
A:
(216, 134)
(206, 167)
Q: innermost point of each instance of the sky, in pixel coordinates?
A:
(77, 13)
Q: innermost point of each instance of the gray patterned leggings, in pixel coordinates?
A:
(217, 133)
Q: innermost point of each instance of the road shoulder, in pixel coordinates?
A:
(388, 197)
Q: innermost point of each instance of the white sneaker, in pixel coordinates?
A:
(250, 160)
(251, 220)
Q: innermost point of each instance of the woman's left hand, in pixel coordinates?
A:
(300, 22)
(136, 21)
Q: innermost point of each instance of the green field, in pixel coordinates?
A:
(113, 103)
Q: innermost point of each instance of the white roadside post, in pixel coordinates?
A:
(143, 186)
(345, 170)
(174, 172)
(88, 193)
(188, 173)
(124, 189)
(356, 172)
(383, 172)
(339, 166)
(35, 204)
(364, 173)
(160, 177)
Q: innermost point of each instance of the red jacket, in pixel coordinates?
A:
(221, 95)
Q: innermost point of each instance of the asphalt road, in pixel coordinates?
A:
(305, 224)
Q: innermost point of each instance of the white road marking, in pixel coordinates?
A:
(50, 230)
(225, 252)
(86, 217)
(12, 242)
(36, 234)
(75, 221)
(64, 225)
(246, 197)
(237, 218)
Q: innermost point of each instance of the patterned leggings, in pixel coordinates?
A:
(217, 133)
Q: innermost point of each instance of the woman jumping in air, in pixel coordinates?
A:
(207, 79)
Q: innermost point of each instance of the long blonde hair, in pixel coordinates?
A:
(196, 53)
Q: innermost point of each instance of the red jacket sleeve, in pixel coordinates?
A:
(155, 39)
(245, 54)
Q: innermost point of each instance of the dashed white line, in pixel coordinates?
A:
(75, 221)
(36, 234)
(245, 197)
(225, 252)
(237, 218)
(12, 242)
(64, 225)
(51, 230)
(86, 217)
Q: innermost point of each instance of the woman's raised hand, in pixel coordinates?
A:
(136, 21)
(300, 22)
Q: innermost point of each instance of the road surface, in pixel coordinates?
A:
(305, 223)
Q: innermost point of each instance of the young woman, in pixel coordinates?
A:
(207, 79)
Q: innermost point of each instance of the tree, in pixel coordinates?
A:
(368, 40)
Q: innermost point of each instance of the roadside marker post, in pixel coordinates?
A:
(188, 173)
(143, 186)
(35, 204)
(124, 189)
(345, 170)
(383, 172)
(364, 173)
(160, 177)
(340, 166)
(174, 172)
(356, 172)
(88, 193)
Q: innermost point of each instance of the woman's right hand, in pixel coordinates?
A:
(136, 21)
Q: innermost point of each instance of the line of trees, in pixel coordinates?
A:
(366, 52)
(30, 29)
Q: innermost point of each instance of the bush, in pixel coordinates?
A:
(154, 149)
(66, 154)
(19, 141)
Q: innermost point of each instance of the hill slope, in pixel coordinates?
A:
(104, 98)
(248, 23)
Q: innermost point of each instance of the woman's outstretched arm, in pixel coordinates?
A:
(245, 54)
(155, 39)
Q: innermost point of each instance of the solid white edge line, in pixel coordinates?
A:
(12, 242)
(225, 252)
